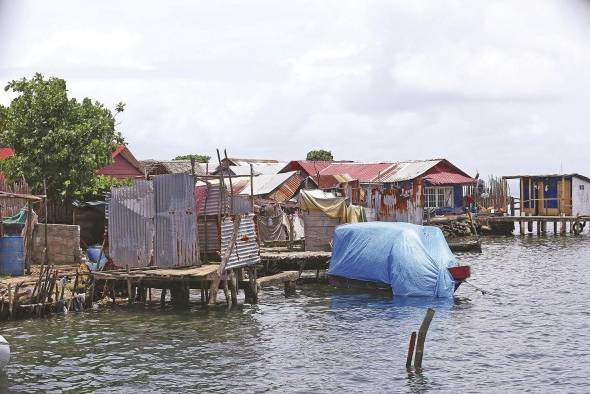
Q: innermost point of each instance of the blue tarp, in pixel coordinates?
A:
(413, 259)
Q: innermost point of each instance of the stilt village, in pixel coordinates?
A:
(183, 232)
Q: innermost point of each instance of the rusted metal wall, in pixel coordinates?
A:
(211, 242)
(131, 224)
(403, 203)
(246, 251)
(176, 227)
(319, 230)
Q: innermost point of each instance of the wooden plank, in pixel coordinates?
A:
(278, 279)
(221, 270)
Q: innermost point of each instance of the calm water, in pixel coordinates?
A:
(530, 334)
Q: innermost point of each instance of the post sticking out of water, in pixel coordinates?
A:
(411, 350)
(422, 338)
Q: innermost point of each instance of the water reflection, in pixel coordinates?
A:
(328, 340)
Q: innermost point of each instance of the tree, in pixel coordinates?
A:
(320, 155)
(99, 186)
(198, 158)
(55, 137)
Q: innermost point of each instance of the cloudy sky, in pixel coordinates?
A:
(501, 87)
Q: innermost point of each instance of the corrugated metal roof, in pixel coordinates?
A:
(407, 170)
(288, 189)
(159, 167)
(364, 172)
(239, 162)
(258, 168)
(576, 175)
(308, 166)
(265, 183)
(449, 178)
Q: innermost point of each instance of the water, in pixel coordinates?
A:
(531, 333)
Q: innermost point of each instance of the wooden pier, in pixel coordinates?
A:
(560, 224)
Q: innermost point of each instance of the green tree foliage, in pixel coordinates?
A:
(320, 155)
(198, 158)
(55, 137)
(99, 186)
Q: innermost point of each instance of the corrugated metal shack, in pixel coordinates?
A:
(395, 192)
(154, 220)
(213, 203)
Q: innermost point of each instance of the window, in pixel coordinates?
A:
(438, 197)
(581, 187)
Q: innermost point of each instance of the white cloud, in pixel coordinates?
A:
(492, 85)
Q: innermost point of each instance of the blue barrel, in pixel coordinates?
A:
(12, 261)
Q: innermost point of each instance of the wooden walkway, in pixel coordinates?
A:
(561, 224)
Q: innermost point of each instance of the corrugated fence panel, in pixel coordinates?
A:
(246, 251)
(131, 224)
(242, 204)
(209, 243)
(210, 205)
(176, 230)
(319, 230)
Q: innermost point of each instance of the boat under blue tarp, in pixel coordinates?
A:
(413, 260)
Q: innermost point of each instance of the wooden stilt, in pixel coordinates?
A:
(226, 293)
(163, 298)
(555, 227)
(411, 350)
(521, 226)
(252, 285)
(9, 301)
(422, 338)
(213, 289)
(113, 294)
(233, 287)
(90, 298)
(129, 286)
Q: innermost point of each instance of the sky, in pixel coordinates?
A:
(497, 87)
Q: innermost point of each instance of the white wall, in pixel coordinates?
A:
(580, 198)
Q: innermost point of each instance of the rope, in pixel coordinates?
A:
(483, 292)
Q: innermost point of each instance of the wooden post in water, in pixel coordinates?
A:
(411, 350)
(233, 287)
(252, 285)
(163, 298)
(226, 292)
(130, 297)
(422, 338)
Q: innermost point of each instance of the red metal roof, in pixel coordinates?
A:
(362, 171)
(5, 153)
(448, 178)
(120, 148)
(445, 173)
(311, 168)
